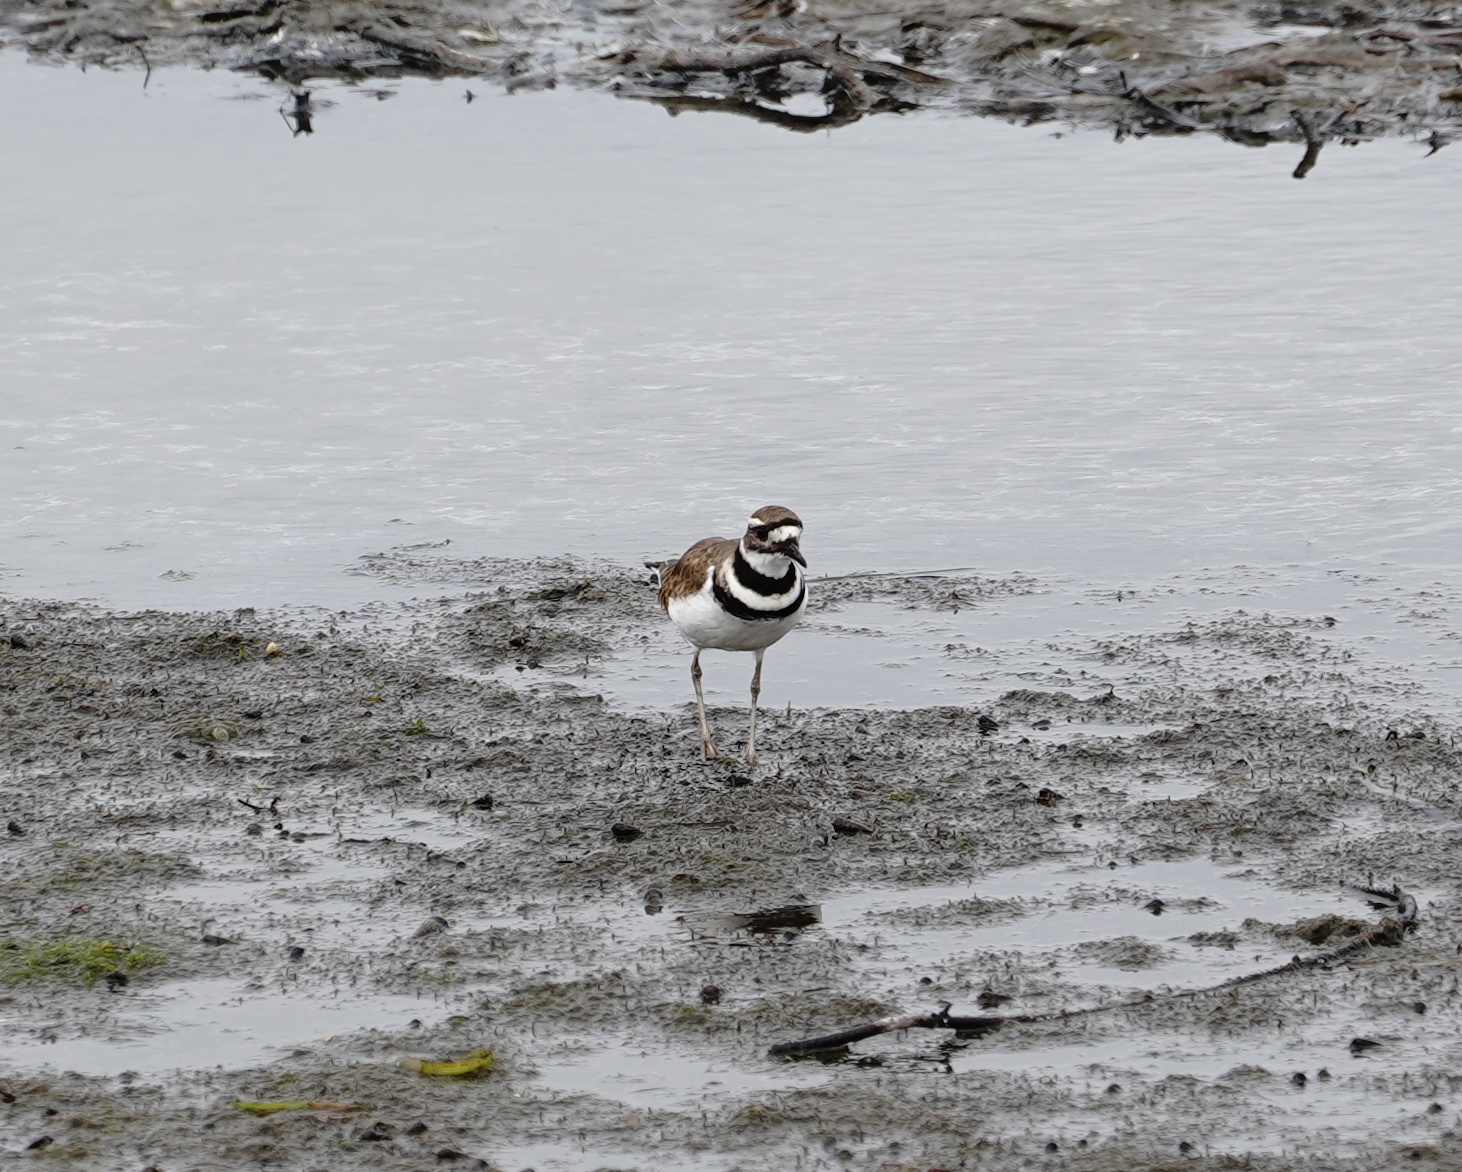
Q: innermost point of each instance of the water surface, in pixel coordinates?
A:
(558, 322)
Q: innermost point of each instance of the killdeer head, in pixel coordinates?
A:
(772, 536)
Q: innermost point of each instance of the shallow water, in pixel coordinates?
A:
(1062, 906)
(902, 937)
(195, 1025)
(1401, 633)
(235, 361)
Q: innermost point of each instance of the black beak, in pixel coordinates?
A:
(790, 549)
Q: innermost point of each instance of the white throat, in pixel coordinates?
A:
(769, 565)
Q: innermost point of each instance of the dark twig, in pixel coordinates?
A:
(841, 69)
(802, 123)
(940, 1019)
(1388, 933)
(1313, 143)
(1156, 109)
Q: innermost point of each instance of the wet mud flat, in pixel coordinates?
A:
(284, 858)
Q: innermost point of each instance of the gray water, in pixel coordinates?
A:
(233, 361)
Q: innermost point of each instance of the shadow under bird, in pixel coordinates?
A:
(733, 595)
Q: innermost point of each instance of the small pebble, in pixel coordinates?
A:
(1361, 1045)
(482, 803)
(847, 826)
(15, 828)
(296, 952)
(19, 642)
(1298, 1078)
(431, 926)
(737, 781)
(624, 832)
(1048, 797)
(417, 1128)
(710, 995)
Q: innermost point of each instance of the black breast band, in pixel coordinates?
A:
(738, 609)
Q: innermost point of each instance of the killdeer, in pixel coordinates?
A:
(737, 596)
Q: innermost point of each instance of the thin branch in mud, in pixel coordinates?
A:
(1156, 109)
(848, 90)
(1313, 143)
(801, 123)
(1390, 932)
(146, 77)
(940, 1019)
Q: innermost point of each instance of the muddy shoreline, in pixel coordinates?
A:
(1255, 74)
(370, 815)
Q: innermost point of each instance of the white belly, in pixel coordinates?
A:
(704, 623)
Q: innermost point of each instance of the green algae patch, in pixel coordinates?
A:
(273, 1107)
(473, 1064)
(73, 959)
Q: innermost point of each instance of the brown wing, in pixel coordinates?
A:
(687, 574)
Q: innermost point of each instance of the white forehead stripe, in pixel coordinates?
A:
(784, 533)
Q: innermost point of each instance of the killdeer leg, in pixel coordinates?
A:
(700, 705)
(741, 595)
(755, 692)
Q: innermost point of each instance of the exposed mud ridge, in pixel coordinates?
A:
(1271, 71)
(345, 835)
